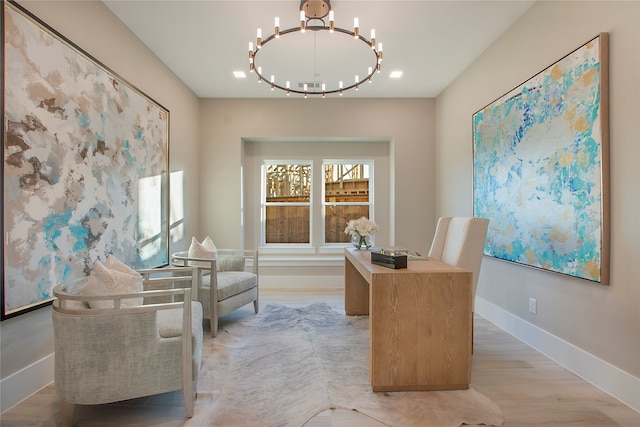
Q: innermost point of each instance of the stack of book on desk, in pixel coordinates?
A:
(394, 258)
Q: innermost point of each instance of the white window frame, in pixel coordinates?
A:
(284, 247)
(370, 203)
(316, 210)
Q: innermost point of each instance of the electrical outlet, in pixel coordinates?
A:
(533, 306)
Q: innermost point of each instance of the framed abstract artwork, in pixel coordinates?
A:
(540, 167)
(85, 170)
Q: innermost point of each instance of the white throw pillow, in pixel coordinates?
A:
(119, 279)
(206, 250)
(113, 263)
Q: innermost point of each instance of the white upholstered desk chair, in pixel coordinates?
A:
(460, 241)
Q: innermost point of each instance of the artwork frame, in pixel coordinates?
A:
(541, 167)
(85, 166)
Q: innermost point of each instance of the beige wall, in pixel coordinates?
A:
(28, 338)
(407, 123)
(602, 320)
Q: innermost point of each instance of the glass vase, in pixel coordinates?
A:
(362, 242)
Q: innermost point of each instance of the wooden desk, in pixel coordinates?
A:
(420, 322)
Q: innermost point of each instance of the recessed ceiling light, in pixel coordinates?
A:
(395, 74)
(239, 74)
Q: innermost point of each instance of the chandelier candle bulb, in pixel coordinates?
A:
(373, 39)
(302, 20)
(356, 29)
(277, 27)
(331, 21)
(259, 38)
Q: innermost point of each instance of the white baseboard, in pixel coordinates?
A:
(610, 379)
(301, 282)
(27, 381)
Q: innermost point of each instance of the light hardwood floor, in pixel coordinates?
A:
(530, 389)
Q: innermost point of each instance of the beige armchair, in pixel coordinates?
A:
(105, 355)
(233, 285)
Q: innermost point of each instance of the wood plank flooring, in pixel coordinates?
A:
(530, 389)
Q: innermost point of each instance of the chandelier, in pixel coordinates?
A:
(315, 57)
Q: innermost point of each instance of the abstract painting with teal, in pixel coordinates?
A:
(538, 168)
(78, 144)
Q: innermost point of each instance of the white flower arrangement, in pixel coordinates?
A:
(362, 227)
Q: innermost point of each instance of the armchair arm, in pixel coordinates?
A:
(182, 259)
(64, 298)
(250, 257)
(170, 278)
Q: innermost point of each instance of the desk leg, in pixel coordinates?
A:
(356, 291)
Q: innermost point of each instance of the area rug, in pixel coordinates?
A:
(286, 365)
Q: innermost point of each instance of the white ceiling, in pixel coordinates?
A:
(432, 42)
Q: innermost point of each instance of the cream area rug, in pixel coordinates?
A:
(286, 365)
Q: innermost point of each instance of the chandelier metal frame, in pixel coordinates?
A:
(315, 23)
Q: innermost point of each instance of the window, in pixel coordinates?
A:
(288, 200)
(300, 165)
(347, 195)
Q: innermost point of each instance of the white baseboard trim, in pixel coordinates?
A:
(301, 261)
(610, 379)
(301, 282)
(26, 382)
